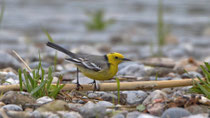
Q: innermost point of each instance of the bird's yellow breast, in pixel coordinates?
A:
(100, 75)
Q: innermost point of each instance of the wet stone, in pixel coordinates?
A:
(135, 97)
(131, 69)
(13, 97)
(92, 110)
(7, 60)
(175, 113)
(12, 107)
(57, 105)
(133, 114)
(157, 94)
(44, 99)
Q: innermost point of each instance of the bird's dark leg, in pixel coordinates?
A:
(78, 85)
(95, 86)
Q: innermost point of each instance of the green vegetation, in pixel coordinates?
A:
(97, 21)
(203, 87)
(118, 90)
(2, 11)
(51, 40)
(160, 28)
(38, 84)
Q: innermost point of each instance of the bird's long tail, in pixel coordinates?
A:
(59, 48)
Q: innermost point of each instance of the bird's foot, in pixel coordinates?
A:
(79, 86)
(95, 85)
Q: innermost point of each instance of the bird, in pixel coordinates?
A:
(96, 67)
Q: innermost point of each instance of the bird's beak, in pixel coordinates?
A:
(125, 59)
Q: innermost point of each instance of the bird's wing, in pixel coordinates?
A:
(95, 63)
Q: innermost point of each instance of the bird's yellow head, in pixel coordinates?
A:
(116, 58)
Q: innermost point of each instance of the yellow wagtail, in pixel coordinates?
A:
(93, 66)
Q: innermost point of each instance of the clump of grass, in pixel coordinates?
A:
(2, 11)
(118, 90)
(203, 87)
(97, 21)
(160, 28)
(51, 40)
(37, 84)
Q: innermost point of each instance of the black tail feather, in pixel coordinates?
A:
(59, 48)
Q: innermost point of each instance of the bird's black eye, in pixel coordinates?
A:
(116, 57)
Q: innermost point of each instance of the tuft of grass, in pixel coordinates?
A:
(118, 90)
(37, 84)
(97, 21)
(51, 40)
(160, 28)
(2, 12)
(203, 87)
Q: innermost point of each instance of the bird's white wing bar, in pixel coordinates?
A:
(91, 65)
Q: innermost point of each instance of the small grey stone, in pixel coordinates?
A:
(135, 97)
(44, 99)
(157, 94)
(204, 115)
(12, 75)
(191, 74)
(175, 113)
(105, 104)
(36, 64)
(119, 115)
(143, 115)
(69, 114)
(12, 107)
(108, 97)
(131, 69)
(92, 95)
(10, 81)
(7, 60)
(92, 110)
(133, 114)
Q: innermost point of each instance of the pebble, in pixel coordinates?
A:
(133, 114)
(44, 99)
(7, 60)
(191, 74)
(175, 113)
(34, 65)
(71, 114)
(157, 94)
(143, 115)
(119, 115)
(105, 104)
(11, 81)
(18, 98)
(135, 97)
(196, 109)
(92, 95)
(109, 97)
(12, 107)
(131, 69)
(54, 106)
(156, 109)
(204, 115)
(92, 110)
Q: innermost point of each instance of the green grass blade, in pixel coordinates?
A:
(20, 79)
(50, 78)
(48, 35)
(203, 82)
(55, 60)
(42, 84)
(2, 12)
(28, 86)
(31, 80)
(118, 90)
(57, 90)
(207, 93)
